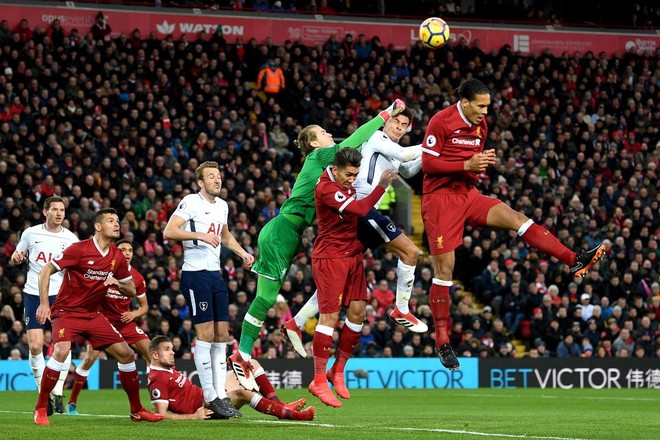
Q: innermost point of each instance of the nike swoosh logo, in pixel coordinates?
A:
(207, 213)
(579, 265)
(205, 363)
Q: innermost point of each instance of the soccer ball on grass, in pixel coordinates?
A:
(434, 32)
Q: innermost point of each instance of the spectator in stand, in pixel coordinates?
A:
(101, 30)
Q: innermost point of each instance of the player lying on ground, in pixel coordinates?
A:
(176, 398)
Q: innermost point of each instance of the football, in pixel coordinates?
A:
(434, 32)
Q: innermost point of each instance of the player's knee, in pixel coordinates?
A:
(410, 255)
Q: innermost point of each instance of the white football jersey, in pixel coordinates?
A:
(202, 216)
(42, 246)
(380, 153)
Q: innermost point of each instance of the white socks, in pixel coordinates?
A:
(405, 278)
(308, 311)
(219, 364)
(256, 398)
(205, 369)
(126, 368)
(525, 226)
(83, 373)
(37, 364)
(64, 373)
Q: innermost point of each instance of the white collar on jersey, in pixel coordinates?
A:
(329, 171)
(98, 247)
(206, 201)
(153, 367)
(460, 112)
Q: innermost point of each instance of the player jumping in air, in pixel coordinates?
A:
(453, 157)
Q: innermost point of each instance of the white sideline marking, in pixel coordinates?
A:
(330, 425)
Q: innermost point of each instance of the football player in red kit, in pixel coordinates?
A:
(337, 262)
(176, 398)
(90, 267)
(453, 157)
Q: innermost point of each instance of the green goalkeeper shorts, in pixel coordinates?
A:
(278, 242)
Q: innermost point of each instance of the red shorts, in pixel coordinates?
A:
(339, 281)
(95, 328)
(130, 331)
(445, 212)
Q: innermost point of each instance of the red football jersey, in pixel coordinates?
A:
(172, 387)
(337, 213)
(86, 268)
(456, 139)
(115, 303)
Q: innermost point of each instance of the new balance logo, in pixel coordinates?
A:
(457, 131)
(90, 262)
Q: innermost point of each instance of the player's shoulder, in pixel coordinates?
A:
(70, 235)
(136, 274)
(222, 204)
(188, 201)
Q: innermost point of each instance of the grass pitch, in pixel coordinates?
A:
(370, 414)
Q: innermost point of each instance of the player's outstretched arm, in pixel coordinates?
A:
(409, 169)
(365, 131)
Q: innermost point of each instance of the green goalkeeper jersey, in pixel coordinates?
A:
(301, 202)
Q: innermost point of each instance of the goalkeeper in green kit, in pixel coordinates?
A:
(280, 239)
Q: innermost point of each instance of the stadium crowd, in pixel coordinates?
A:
(123, 122)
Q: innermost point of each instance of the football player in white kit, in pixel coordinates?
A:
(200, 222)
(379, 153)
(38, 245)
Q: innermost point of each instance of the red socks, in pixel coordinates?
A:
(439, 301)
(130, 382)
(78, 384)
(273, 408)
(541, 239)
(322, 346)
(48, 381)
(348, 339)
(266, 388)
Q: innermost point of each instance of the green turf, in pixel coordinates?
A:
(372, 414)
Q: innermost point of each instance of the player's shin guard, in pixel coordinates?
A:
(541, 239)
(80, 378)
(130, 382)
(404, 284)
(440, 301)
(265, 387)
(64, 373)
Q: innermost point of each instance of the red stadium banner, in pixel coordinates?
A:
(316, 29)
